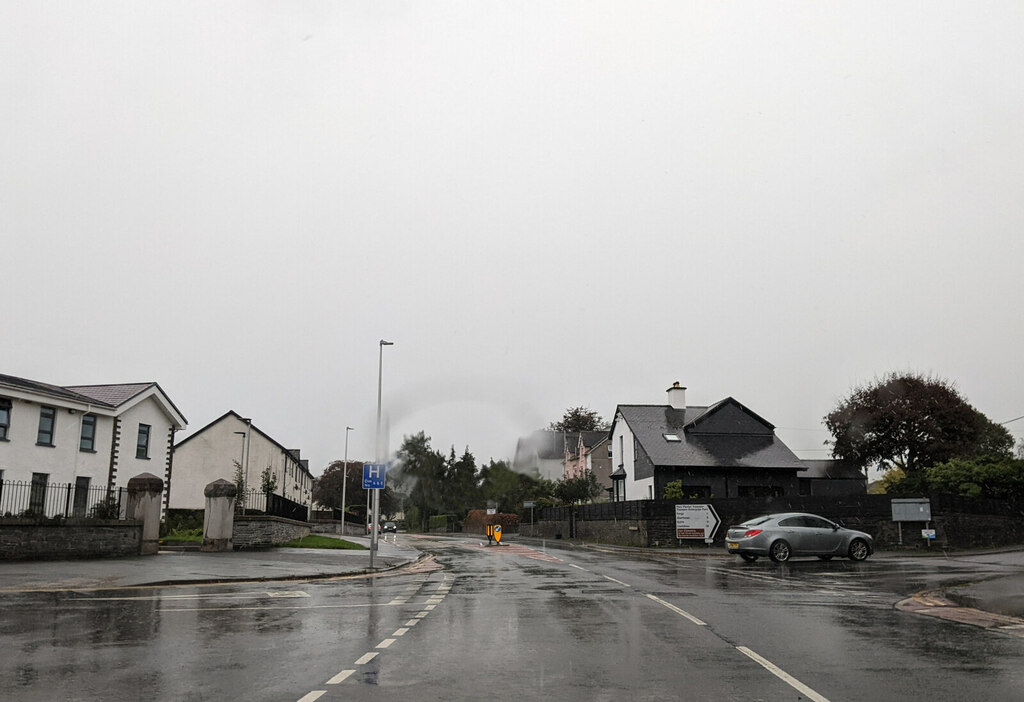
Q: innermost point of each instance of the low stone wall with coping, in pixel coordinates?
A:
(45, 539)
(260, 531)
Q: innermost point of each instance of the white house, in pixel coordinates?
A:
(213, 452)
(85, 436)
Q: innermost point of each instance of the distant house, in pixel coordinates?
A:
(554, 455)
(84, 436)
(831, 478)
(722, 450)
(212, 452)
(542, 454)
(591, 453)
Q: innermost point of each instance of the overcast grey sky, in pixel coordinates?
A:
(543, 205)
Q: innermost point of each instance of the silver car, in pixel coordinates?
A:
(782, 536)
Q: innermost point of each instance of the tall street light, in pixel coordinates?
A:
(239, 499)
(344, 481)
(376, 493)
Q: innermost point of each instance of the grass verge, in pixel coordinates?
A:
(316, 541)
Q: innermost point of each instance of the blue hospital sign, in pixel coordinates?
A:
(373, 475)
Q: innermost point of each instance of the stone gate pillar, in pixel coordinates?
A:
(144, 491)
(219, 518)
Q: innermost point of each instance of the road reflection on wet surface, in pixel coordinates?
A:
(519, 620)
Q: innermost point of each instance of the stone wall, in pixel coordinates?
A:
(36, 539)
(261, 531)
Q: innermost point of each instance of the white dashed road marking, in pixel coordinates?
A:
(678, 611)
(340, 677)
(366, 658)
(782, 675)
(617, 581)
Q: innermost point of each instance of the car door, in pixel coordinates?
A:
(794, 532)
(821, 537)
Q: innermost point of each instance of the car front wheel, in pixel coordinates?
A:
(779, 551)
(858, 550)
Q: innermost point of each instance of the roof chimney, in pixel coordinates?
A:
(677, 396)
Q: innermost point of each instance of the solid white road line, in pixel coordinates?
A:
(573, 565)
(340, 677)
(678, 611)
(385, 643)
(314, 695)
(782, 675)
(366, 658)
(617, 581)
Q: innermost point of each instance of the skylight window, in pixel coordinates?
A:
(671, 437)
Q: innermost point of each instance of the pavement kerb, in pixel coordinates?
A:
(365, 572)
(394, 565)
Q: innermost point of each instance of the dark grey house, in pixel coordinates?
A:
(722, 450)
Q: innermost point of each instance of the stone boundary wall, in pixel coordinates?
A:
(260, 531)
(38, 539)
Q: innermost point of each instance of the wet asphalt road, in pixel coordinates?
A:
(519, 621)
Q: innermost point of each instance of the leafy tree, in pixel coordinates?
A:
(910, 422)
(268, 481)
(508, 488)
(461, 492)
(239, 488)
(583, 488)
(579, 419)
(420, 476)
(327, 489)
(993, 477)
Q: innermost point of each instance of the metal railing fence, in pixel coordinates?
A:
(30, 498)
(253, 501)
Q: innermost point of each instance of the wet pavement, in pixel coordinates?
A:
(193, 567)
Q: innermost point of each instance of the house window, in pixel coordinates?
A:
(5, 418)
(37, 495)
(671, 437)
(622, 450)
(142, 448)
(47, 418)
(87, 442)
(805, 486)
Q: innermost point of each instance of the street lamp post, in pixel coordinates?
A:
(241, 458)
(344, 481)
(377, 439)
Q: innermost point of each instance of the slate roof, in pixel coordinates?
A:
(113, 395)
(108, 396)
(723, 435)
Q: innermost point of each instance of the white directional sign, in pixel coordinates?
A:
(696, 522)
(373, 475)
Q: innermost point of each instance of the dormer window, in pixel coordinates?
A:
(671, 437)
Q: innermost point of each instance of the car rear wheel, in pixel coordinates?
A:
(858, 550)
(749, 558)
(780, 551)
